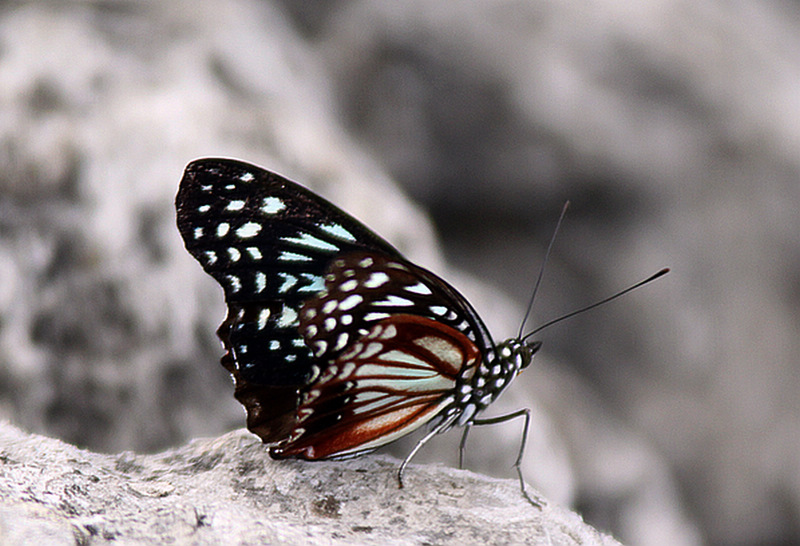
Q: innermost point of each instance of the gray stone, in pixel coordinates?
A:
(227, 490)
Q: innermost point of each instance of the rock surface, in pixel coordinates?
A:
(227, 490)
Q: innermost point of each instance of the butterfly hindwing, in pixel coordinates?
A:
(398, 376)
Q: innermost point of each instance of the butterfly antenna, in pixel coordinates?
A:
(649, 279)
(541, 270)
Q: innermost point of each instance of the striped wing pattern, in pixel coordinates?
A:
(394, 379)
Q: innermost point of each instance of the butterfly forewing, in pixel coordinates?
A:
(267, 241)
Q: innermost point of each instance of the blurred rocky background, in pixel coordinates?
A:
(671, 416)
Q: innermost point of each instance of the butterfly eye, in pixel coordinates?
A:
(516, 355)
(531, 348)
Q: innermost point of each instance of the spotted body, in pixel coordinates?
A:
(337, 344)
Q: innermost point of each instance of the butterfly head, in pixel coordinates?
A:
(518, 352)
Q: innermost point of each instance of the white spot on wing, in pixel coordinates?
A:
(316, 283)
(293, 257)
(392, 300)
(338, 231)
(202, 209)
(371, 350)
(348, 286)
(350, 301)
(442, 348)
(254, 252)
(376, 316)
(248, 230)
(366, 396)
(234, 254)
(376, 279)
(469, 411)
(419, 288)
(272, 205)
(288, 282)
(235, 282)
(309, 241)
(223, 228)
(263, 316)
(288, 317)
(341, 341)
(247, 177)
(389, 332)
(198, 232)
(261, 281)
(236, 204)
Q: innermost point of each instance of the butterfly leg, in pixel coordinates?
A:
(526, 413)
(462, 446)
(424, 440)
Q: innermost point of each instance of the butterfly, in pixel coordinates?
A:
(336, 343)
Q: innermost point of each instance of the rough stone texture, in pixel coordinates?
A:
(672, 126)
(227, 490)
